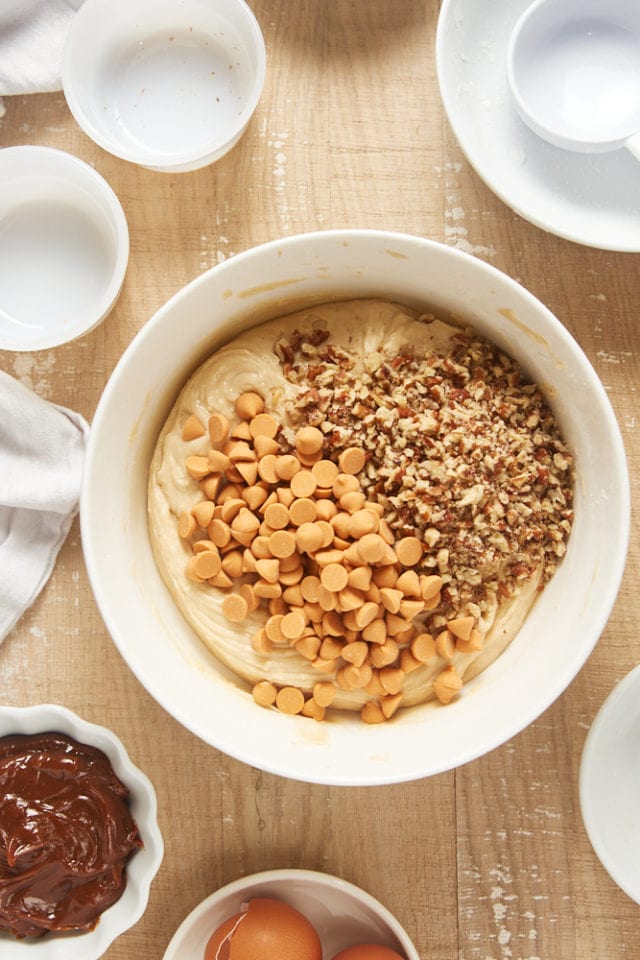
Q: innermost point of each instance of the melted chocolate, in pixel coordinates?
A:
(66, 834)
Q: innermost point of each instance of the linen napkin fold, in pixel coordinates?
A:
(41, 455)
(32, 36)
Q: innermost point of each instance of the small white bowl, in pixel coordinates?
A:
(142, 867)
(341, 913)
(167, 84)
(610, 784)
(64, 248)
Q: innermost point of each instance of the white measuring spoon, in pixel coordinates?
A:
(574, 71)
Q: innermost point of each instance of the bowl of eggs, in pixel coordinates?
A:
(362, 485)
(290, 914)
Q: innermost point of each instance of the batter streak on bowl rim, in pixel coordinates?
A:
(461, 454)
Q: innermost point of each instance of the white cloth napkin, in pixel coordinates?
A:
(41, 456)
(32, 35)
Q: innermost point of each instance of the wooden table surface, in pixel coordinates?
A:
(488, 861)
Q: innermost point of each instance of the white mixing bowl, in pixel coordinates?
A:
(159, 646)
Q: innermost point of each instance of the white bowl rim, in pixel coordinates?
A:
(289, 875)
(209, 150)
(111, 293)
(53, 717)
(560, 678)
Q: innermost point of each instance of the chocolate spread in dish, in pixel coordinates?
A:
(66, 834)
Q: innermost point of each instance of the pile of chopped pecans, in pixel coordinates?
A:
(295, 532)
(462, 453)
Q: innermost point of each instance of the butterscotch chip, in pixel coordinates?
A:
(277, 516)
(265, 445)
(290, 700)
(249, 405)
(264, 693)
(331, 648)
(308, 647)
(334, 577)
(192, 429)
(384, 654)
(326, 508)
(241, 431)
(408, 551)
(302, 510)
(391, 599)
(264, 425)
(235, 608)
(254, 495)
(244, 522)
(372, 712)
(201, 545)
(309, 537)
(267, 468)
(286, 466)
(313, 710)
(352, 460)
(375, 632)
(390, 704)
(392, 679)
(409, 583)
(344, 483)
(408, 662)
(267, 590)
(324, 693)
(282, 544)
(218, 428)
(260, 642)
(268, 570)
(325, 472)
(247, 592)
(362, 522)
(260, 548)
(273, 628)
(203, 513)
(360, 578)
(309, 440)
(472, 645)
(240, 451)
(285, 496)
(371, 548)
(197, 467)
(293, 595)
(445, 645)
(293, 625)
(210, 487)
(461, 627)
(447, 684)
(423, 647)
(221, 580)
(355, 653)
(303, 484)
(309, 587)
(231, 507)
(232, 564)
(248, 472)
(187, 525)
(207, 564)
(352, 501)
(219, 533)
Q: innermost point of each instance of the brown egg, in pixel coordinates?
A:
(367, 951)
(266, 930)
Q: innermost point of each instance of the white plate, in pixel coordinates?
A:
(610, 784)
(590, 199)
